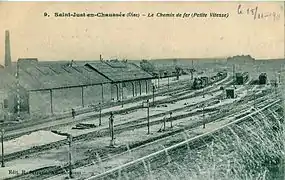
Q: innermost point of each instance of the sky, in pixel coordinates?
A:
(53, 38)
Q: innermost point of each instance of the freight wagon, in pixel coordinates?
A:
(262, 78)
(202, 82)
(241, 78)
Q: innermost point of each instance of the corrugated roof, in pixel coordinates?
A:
(50, 75)
(119, 70)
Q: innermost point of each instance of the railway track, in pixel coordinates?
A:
(141, 122)
(142, 125)
(104, 132)
(162, 157)
(175, 87)
(188, 93)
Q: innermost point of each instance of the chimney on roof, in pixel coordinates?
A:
(7, 49)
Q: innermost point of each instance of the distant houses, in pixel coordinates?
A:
(243, 58)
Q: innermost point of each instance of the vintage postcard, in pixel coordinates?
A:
(142, 90)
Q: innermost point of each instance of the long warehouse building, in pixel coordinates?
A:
(53, 87)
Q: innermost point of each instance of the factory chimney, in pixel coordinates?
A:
(7, 49)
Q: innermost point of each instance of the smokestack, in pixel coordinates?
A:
(7, 49)
(101, 58)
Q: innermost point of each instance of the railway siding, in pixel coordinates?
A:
(161, 157)
(60, 170)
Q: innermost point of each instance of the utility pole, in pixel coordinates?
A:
(18, 92)
(4, 106)
(100, 114)
(164, 123)
(122, 88)
(122, 95)
(254, 99)
(168, 82)
(191, 72)
(146, 105)
(82, 96)
(158, 81)
(153, 89)
(111, 127)
(69, 155)
(170, 117)
(148, 123)
(51, 103)
(2, 145)
(204, 123)
(234, 75)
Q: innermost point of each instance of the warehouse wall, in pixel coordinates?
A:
(115, 92)
(149, 86)
(128, 90)
(66, 99)
(137, 88)
(39, 103)
(107, 95)
(92, 94)
(143, 86)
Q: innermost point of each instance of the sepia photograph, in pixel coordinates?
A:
(142, 90)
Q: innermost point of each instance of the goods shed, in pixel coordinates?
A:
(128, 79)
(52, 87)
(59, 86)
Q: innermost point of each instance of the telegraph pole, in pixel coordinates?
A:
(2, 145)
(254, 99)
(4, 106)
(158, 81)
(100, 114)
(148, 123)
(170, 117)
(234, 75)
(122, 88)
(82, 96)
(69, 155)
(145, 104)
(153, 89)
(122, 94)
(168, 83)
(204, 123)
(18, 92)
(122, 98)
(111, 127)
(164, 123)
